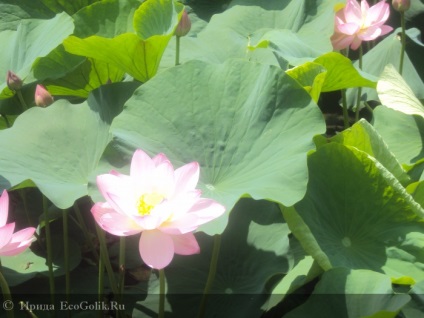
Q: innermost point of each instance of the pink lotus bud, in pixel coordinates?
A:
(42, 97)
(401, 5)
(184, 25)
(13, 81)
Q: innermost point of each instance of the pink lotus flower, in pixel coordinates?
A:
(356, 23)
(42, 97)
(12, 243)
(158, 202)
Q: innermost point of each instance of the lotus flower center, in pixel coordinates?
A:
(147, 202)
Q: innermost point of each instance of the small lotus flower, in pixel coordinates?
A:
(401, 5)
(12, 243)
(184, 25)
(157, 201)
(42, 97)
(13, 81)
(356, 22)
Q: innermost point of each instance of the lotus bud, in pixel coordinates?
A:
(401, 5)
(184, 25)
(42, 97)
(13, 81)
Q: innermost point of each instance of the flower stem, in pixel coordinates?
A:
(21, 100)
(403, 40)
(358, 101)
(104, 255)
(85, 231)
(161, 294)
(49, 249)
(7, 296)
(211, 275)
(101, 285)
(177, 50)
(66, 257)
(121, 267)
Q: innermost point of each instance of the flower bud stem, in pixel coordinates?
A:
(21, 100)
(7, 297)
(49, 249)
(6, 120)
(211, 275)
(177, 51)
(101, 285)
(403, 40)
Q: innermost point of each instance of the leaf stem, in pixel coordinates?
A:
(6, 120)
(66, 253)
(161, 293)
(358, 100)
(177, 51)
(211, 275)
(49, 248)
(345, 113)
(403, 40)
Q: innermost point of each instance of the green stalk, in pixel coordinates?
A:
(211, 275)
(28, 311)
(6, 120)
(66, 251)
(49, 249)
(84, 229)
(105, 258)
(101, 285)
(121, 267)
(161, 293)
(21, 100)
(177, 51)
(345, 113)
(358, 101)
(403, 40)
(7, 296)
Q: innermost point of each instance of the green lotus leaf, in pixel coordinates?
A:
(299, 28)
(87, 76)
(70, 7)
(21, 48)
(355, 214)
(341, 73)
(394, 93)
(136, 54)
(106, 18)
(364, 137)
(342, 292)
(403, 133)
(311, 76)
(58, 157)
(239, 120)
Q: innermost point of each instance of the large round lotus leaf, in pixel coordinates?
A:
(254, 247)
(248, 125)
(403, 133)
(301, 27)
(357, 215)
(58, 147)
(352, 293)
